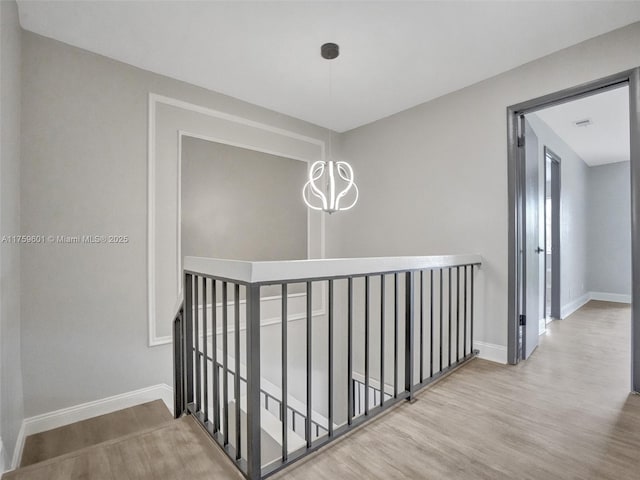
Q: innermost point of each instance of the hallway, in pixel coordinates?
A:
(564, 414)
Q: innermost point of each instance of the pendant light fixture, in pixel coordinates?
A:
(330, 186)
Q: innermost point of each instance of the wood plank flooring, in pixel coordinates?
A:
(566, 413)
(178, 449)
(69, 438)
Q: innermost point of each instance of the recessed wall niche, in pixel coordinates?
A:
(241, 204)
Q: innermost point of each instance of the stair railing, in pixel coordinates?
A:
(376, 330)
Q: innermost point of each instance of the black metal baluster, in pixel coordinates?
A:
(457, 314)
(366, 345)
(309, 366)
(205, 341)
(440, 365)
(330, 365)
(178, 364)
(363, 393)
(285, 393)
(430, 323)
(350, 391)
(464, 348)
(236, 366)
(197, 345)
(395, 335)
(254, 412)
(189, 354)
(409, 344)
(214, 355)
(225, 371)
(421, 326)
(449, 315)
(471, 307)
(382, 293)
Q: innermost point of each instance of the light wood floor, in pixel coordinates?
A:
(178, 449)
(564, 414)
(52, 443)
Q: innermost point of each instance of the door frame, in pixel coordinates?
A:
(515, 191)
(555, 240)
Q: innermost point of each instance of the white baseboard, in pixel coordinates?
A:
(17, 451)
(571, 307)
(84, 411)
(491, 352)
(601, 296)
(610, 297)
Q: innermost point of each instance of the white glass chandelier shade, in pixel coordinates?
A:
(330, 187)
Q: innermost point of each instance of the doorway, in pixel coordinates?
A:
(525, 244)
(551, 222)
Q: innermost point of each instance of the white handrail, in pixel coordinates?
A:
(276, 271)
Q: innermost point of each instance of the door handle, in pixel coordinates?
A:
(539, 250)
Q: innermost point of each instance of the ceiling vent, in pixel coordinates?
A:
(583, 123)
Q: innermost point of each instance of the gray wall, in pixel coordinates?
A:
(84, 170)
(241, 204)
(574, 206)
(609, 229)
(433, 179)
(11, 401)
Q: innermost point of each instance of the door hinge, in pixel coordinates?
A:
(523, 320)
(520, 132)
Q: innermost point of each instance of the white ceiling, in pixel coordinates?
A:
(607, 139)
(394, 54)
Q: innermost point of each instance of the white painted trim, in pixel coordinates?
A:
(571, 307)
(151, 220)
(542, 326)
(600, 296)
(388, 388)
(209, 138)
(84, 411)
(491, 352)
(610, 297)
(174, 102)
(154, 99)
(264, 322)
(179, 275)
(17, 450)
(257, 272)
